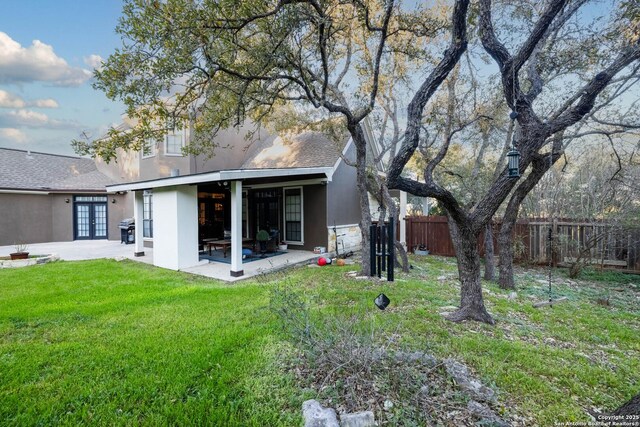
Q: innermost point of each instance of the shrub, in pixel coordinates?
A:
(354, 365)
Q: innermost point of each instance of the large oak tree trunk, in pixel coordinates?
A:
(539, 167)
(505, 242)
(489, 262)
(465, 243)
(361, 183)
(632, 407)
(394, 213)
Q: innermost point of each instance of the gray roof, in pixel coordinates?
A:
(23, 170)
(305, 150)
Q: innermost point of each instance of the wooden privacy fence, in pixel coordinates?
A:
(592, 242)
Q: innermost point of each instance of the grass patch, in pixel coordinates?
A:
(123, 343)
(111, 343)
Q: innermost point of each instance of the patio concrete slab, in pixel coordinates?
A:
(96, 249)
(83, 249)
(222, 271)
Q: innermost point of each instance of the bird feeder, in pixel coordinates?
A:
(514, 162)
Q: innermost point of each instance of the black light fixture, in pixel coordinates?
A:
(66, 200)
(382, 301)
(113, 200)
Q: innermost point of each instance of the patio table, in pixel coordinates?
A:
(223, 244)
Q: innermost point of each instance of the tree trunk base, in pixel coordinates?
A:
(632, 407)
(510, 285)
(479, 314)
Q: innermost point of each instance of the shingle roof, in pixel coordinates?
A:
(24, 170)
(309, 149)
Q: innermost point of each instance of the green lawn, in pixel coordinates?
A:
(110, 342)
(124, 343)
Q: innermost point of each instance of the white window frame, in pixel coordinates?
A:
(174, 133)
(147, 194)
(151, 143)
(284, 215)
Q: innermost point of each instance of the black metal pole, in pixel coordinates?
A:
(378, 252)
(372, 249)
(383, 249)
(392, 251)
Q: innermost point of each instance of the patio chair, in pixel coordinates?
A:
(274, 240)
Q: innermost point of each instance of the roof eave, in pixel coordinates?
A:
(224, 175)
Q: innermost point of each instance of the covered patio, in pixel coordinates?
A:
(224, 210)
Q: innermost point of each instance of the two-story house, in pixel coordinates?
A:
(298, 188)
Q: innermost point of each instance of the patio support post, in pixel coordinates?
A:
(175, 227)
(138, 208)
(402, 216)
(236, 229)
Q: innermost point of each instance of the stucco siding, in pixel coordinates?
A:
(160, 165)
(116, 212)
(61, 215)
(342, 195)
(232, 149)
(32, 218)
(25, 218)
(315, 220)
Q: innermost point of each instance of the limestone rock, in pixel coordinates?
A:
(485, 415)
(473, 387)
(315, 415)
(358, 419)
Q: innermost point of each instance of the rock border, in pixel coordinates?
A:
(19, 263)
(480, 396)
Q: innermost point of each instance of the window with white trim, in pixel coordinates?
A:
(174, 142)
(148, 148)
(147, 214)
(293, 215)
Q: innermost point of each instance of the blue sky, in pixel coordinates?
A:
(48, 50)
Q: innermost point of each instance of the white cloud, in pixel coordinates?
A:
(27, 118)
(11, 100)
(33, 119)
(12, 135)
(37, 62)
(44, 103)
(93, 61)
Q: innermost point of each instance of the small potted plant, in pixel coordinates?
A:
(282, 247)
(262, 237)
(21, 251)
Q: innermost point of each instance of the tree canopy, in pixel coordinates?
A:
(218, 64)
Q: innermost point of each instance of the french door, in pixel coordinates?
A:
(90, 219)
(267, 209)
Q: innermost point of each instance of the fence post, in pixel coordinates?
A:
(392, 251)
(372, 248)
(383, 247)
